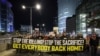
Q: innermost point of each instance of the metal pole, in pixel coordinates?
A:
(86, 25)
(31, 21)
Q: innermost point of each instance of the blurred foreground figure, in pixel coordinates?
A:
(87, 43)
(79, 36)
(94, 42)
(87, 46)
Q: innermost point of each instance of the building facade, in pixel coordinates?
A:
(66, 8)
(25, 28)
(71, 24)
(86, 12)
(6, 16)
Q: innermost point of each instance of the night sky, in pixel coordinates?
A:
(46, 15)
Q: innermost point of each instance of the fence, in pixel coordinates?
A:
(5, 43)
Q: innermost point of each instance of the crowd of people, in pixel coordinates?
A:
(92, 40)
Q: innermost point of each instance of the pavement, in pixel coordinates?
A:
(12, 52)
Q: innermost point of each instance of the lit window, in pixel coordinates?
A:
(63, 17)
(83, 15)
(89, 30)
(83, 19)
(65, 12)
(83, 30)
(96, 29)
(83, 25)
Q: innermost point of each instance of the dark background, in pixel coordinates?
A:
(46, 15)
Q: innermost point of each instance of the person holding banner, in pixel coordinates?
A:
(45, 37)
(59, 36)
(79, 36)
(87, 46)
(51, 37)
(40, 37)
(64, 37)
(19, 50)
(94, 42)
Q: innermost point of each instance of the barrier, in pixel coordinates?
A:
(5, 44)
(3, 47)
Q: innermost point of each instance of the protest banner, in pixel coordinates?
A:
(69, 45)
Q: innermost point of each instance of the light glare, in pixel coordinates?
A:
(23, 7)
(38, 6)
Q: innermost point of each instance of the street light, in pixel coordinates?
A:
(23, 7)
(43, 25)
(38, 7)
(37, 24)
